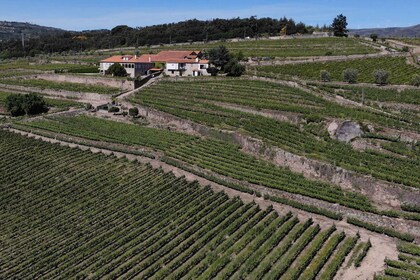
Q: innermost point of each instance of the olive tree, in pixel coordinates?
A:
(350, 75)
(325, 76)
(381, 77)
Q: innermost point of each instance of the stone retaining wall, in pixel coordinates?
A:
(381, 192)
(123, 85)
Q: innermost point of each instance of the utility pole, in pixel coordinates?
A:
(363, 96)
(23, 43)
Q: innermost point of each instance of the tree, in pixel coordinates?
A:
(325, 76)
(234, 69)
(381, 77)
(350, 75)
(213, 71)
(416, 80)
(117, 70)
(374, 37)
(133, 111)
(219, 56)
(339, 26)
(29, 104)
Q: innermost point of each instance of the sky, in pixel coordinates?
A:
(105, 14)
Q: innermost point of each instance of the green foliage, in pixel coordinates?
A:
(195, 101)
(400, 72)
(374, 37)
(117, 70)
(363, 253)
(379, 229)
(219, 56)
(325, 76)
(339, 26)
(350, 75)
(43, 84)
(409, 248)
(410, 207)
(381, 77)
(416, 80)
(25, 104)
(143, 218)
(234, 69)
(133, 112)
(220, 157)
(338, 259)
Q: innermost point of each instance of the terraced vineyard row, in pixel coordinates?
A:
(406, 267)
(43, 84)
(59, 103)
(399, 71)
(220, 157)
(264, 95)
(284, 135)
(72, 214)
(296, 47)
(22, 64)
(372, 94)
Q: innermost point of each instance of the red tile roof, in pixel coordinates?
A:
(163, 56)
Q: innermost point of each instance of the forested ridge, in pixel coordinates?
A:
(125, 36)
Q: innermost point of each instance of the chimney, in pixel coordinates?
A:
(150, 58)
(135, 56)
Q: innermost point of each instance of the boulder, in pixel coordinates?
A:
(347, 131)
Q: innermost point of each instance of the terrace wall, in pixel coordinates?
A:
(124, 85)
(382, 193)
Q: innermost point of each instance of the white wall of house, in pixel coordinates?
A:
(186, 69)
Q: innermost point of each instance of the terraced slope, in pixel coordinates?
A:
(296, 47)
(400, 72)
(72, 214)
(220, 157)
(195, 101)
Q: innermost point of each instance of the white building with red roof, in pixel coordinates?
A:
(173, 63)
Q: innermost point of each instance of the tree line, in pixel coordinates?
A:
(185, 31)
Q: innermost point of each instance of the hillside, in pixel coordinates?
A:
(411, 31)
(13, 30)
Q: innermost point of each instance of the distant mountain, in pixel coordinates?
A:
(411, 31)
(13, 30)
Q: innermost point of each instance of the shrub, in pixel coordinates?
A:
(116, 69)
(328, 53)
(235, 69)
(350, 75)
(213, 71)
(381, 77)
(387, 231)
(405, 49)
(29, 104)
(113, 109)
(133, 111)
(416, 80)
(374, 37)
(325, 76)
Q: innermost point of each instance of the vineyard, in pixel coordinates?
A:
(372, 94)
(406, 267)
(43, 84)
(72, 214)
(296, 47)
(399, 71)
(190, 101)
(22, 64)
(220, 157)
(57, 103)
